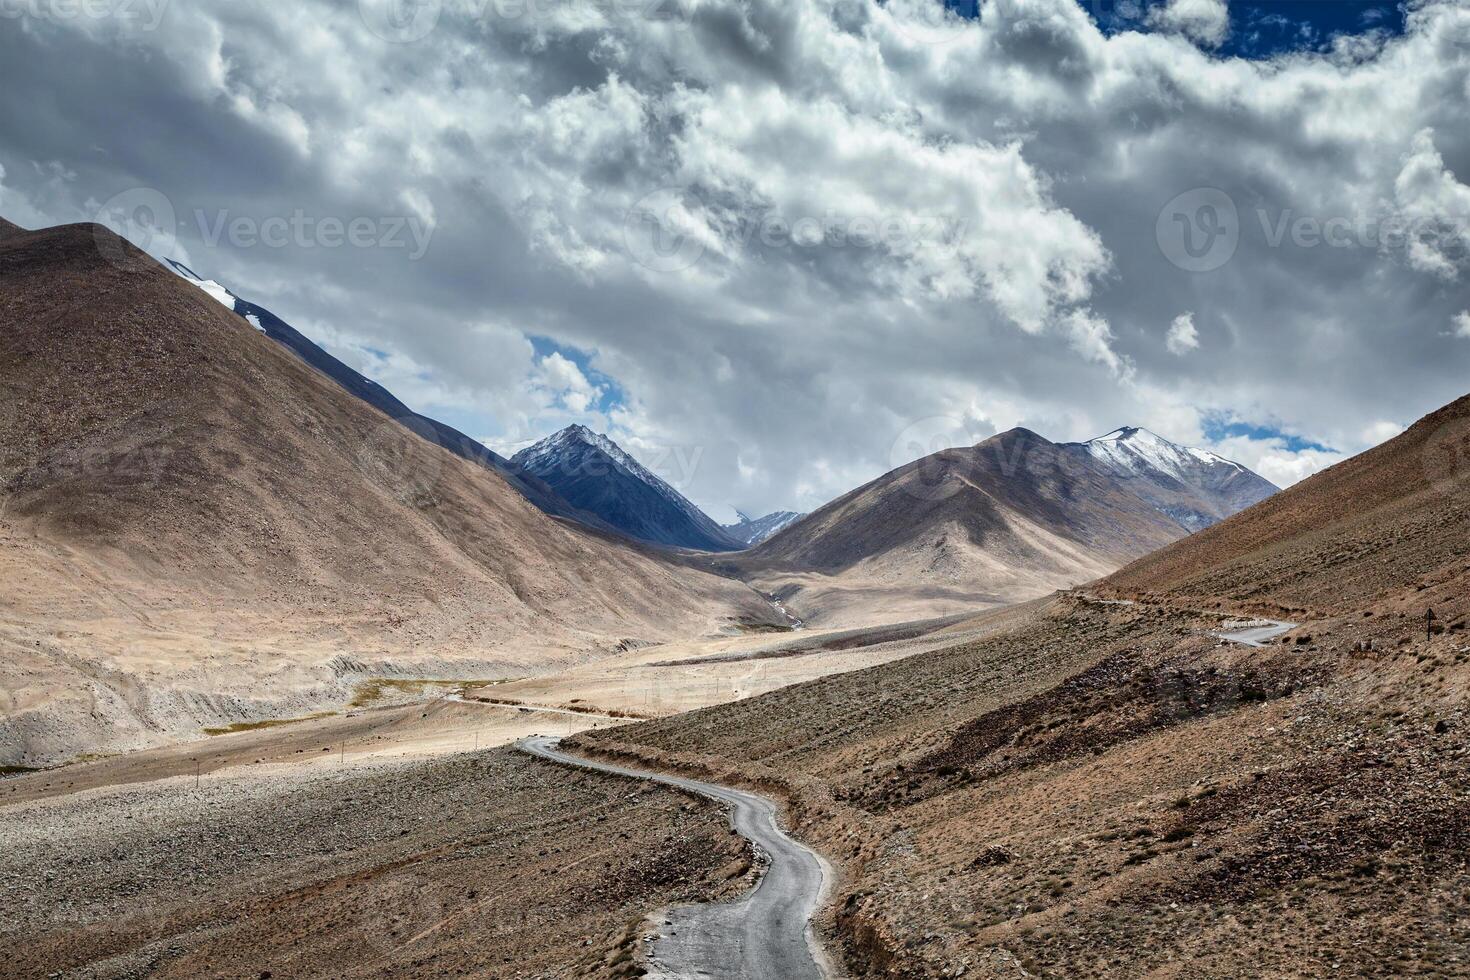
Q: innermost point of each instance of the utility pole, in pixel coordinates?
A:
(196, 773)
(1429, 618)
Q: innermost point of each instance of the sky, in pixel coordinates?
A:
(777, 247)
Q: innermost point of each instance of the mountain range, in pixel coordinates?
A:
(1010, 519)
(753, 530)
(231, 487)
(587, 477)
(1394, 517)
(379, 397)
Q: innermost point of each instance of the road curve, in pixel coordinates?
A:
(1258, 636)
(764, 935)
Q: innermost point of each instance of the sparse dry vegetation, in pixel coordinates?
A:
(255, 726)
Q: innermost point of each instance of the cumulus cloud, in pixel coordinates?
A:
(567, 384)
(1275, 460)
(1460, 325)
(1204, 21)
(1182, 337)
(790, 230)
(1437, 207)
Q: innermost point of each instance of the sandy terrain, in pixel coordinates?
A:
(419, 730)
(671, 678)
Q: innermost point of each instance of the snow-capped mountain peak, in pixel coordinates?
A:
(1194, 487)
(557, 445)
(754, 530)
(1137, 449)
(599, 476)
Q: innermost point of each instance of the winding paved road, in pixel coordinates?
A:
(766, 935)
(1258, 636)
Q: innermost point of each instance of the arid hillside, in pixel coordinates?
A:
(1010, 519)
(1110, 789)
(1397, 516)
(196, 527)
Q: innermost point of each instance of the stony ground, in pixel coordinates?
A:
(487, 864)
(1109, 791)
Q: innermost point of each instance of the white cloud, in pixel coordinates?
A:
(1379, 432)
(1182, 337)
(568, 384)
(1091, 337)
(1021, 159)
(1274, 460)
(1204, 21)
(1461, 324)
(1437, 208)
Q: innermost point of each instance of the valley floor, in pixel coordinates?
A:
(485, 864)
(1071, 788)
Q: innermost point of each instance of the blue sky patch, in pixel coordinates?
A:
(1263, 28)
(1220, 426)
(1259, 30)
(612, 396)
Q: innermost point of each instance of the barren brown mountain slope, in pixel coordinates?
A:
(1395, 516)
(195, 527)
(1110, 790)
(1007, 520)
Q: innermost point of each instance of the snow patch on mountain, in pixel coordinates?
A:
(214, 290)
(598, 475)
(1138, 450)
(1194, 487)
(754, 530)
(555, 447)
